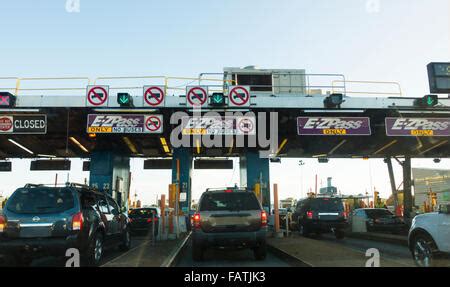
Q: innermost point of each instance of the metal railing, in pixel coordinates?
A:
(376, 83)
(307, 84)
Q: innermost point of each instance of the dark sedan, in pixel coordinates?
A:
(144, 219)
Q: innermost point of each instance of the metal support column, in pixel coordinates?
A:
(184, 157)
(110, 173)
(407, 192)
(388, 161)
(255, 170)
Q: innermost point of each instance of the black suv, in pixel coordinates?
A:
(40, 220)
(321, 215)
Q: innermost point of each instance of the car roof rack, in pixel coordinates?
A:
(29, 185)
(67, 184)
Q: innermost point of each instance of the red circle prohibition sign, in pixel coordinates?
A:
(245, 125)
(154, 95)
(151, 125)
(243, 99)
(197, 96)
(92, 94)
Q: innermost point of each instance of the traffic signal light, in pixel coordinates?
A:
(427, 101)
(124, 100)
(333, 100)
(7, 100)
(217, 100)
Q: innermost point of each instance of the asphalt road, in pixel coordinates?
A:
(394, 252)
(108, 255)
(229, 258)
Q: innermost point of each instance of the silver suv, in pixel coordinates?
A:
(229, 217)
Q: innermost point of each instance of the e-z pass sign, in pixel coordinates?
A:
(23, 124)
(124, 124)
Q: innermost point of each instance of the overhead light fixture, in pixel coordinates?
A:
(320, 155)
(164, 144)
(337, 146)
(46, 155)
(385, 146)
(333, 111)
(77, 143)
(435, 146)
(130, 145)
(92, 136)
(118, 110)
(283, 143)
(197, 144)
(21, 146)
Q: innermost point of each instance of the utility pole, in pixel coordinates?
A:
(301, 163)
(388, 161)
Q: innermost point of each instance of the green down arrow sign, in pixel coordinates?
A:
(218, 99)
(124, 99)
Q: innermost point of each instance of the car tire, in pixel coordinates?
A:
(339, 234)
(303, 230)
(197, 252)
(95, 250)
(126, 241)
(424, 251)
(260, 252)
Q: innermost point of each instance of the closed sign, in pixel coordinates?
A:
(23, 124)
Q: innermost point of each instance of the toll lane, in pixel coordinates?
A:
(393, 252)
(229, 258)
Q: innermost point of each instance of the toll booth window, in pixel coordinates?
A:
(41, 200)
(261, 83)
(229, 202)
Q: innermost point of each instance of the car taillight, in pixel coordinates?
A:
(196, 220)
(2, 223)
(77, 221)
(149, 220)
(309, 214)
(263, 218)
(345, 214)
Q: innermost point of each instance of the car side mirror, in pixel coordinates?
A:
(444, 208)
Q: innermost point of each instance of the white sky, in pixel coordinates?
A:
(387, 41)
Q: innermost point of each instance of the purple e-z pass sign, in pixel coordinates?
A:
(424, 127)
(333, 126)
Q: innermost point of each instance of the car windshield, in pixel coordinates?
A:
(327, 204)
(378, 213)
(229, 201)
(147, 212)
(41, 200)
